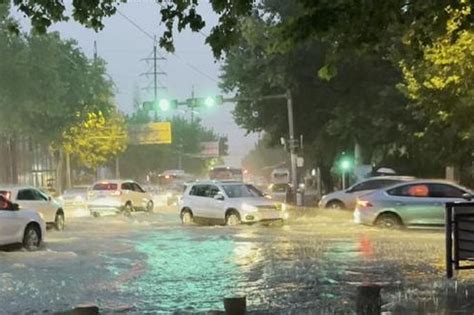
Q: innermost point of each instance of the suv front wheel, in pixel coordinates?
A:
(186, 217)
(59, 221)
(232, 218)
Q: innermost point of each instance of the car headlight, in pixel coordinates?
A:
(284, 207)
(286, 215)
(41, 216)
(249, 208)
(169, 195)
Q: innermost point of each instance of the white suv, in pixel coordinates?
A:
(229, 203)
(34, 199)
(118, 195)
(20, 227)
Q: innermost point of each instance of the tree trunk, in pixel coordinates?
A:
(13, 161)
(68, 171)
(326, 179)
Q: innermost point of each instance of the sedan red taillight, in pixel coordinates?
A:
(364, 204)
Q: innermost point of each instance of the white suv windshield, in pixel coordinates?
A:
(241, 191)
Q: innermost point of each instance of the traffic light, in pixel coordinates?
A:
(223, 146)
(164, 105)
(208, 102)
(345, 164)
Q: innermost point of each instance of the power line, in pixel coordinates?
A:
(131, 21)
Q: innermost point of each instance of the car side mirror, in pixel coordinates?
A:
(467, 196)
(219, 197)
(15, 207)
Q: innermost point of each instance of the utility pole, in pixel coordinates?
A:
(291, 130)
(155, 85)
(192, 107)
(156, 72)
(95, 50)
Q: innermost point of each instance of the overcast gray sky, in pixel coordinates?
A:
(122, 45)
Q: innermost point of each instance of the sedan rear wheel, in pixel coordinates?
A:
(335, 205)
(389, 221)
(149, 206)
(32, 238)
(128, 209)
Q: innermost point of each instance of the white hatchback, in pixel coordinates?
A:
(20, 227)
(34, 199)
(229, 203)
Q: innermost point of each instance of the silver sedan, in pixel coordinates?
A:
(417, 203)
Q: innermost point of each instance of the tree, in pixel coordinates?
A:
(359, 105)
(373, 25)
(440, 86)
(45, 82)
(96, 139)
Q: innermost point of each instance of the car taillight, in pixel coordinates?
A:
(8, 195)
(364, 204)
(116, 193)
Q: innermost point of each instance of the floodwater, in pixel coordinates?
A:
(151, 264)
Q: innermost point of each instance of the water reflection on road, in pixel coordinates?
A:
(151, 264)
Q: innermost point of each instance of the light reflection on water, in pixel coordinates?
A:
(181, 269)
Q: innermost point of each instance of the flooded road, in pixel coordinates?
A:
(152, 264)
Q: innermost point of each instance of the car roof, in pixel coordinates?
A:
(215, 182)
(17, 187)
(392, 177)
(113, 181)
(428, 181)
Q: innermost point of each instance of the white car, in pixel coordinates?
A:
(112, 196)
(34, 199)
(229, 203)
(20, 227)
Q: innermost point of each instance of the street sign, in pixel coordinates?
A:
(210, 149)
(299, 161)
(151, 133)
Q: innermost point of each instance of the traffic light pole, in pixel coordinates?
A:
(291, 130)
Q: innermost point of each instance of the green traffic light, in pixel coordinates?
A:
(164, 105)
(345, 164)
(210, 101)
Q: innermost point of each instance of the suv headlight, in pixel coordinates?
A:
(41, 215)
(249, 208)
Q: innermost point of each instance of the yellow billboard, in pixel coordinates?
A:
(151, 133)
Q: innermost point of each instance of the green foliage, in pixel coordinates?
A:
(440, 85)
(49, 81)
(96, 139)
(360, 103)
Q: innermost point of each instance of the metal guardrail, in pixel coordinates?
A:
(459, 237)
